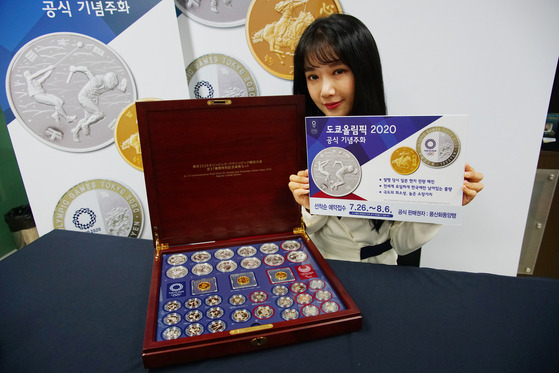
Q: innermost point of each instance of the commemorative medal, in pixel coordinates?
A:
(127, 137)
(438, 146)
(404, 160)
(68, 89)
(100, 206)
(273, 29)
(336, 171)
(215, 13)
(218, 76)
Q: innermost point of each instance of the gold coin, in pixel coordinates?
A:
(404, 160)
(281, 275)
(127, 137)
(243, 280)
(204, 286)
(273, 29)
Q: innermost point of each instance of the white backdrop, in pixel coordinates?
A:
(491, 59)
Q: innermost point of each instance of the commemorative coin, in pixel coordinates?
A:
(273, 29)
(127, 136)
(215, 13)
(219, 76)
(68, 89)
(404, 160)
(438, 147)
(100, 206)
(336, 171)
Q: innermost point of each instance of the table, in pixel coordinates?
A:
(76, 302)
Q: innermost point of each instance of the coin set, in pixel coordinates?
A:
(215, 290)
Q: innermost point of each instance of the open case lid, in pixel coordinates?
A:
(219, 169)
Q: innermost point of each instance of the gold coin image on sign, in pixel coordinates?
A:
(100, 206)
(215, 13)
(438, 147)
(273, 29)
(127, 136)
(404, 160)
(336, 171)
(219, 76)
(68, 89)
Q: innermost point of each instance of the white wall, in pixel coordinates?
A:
(491, 59)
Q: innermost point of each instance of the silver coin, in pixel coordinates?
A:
(172, 319)
(329, 307)
(438, 147)
(224, 254)
(177, 259)
(215, 313)
(310, 310)
(171, 333)
(290, 245)
(213, 300)
(316, 284)
(336, 171)
(290, 314)
(298, 287)
(100, 206)
(172, 305)
(323, 295)
(193, 303)
(202, 269)
(215, 13)
(201, 256)
(226, 266)
(193, 316)
(219, 76)
(269, 248)
(258, 296)
(263, 312)
(241, 315)
(297, 256)
(274, 259)
(217, 326)
(194, 329)
(177, 272)
(247, 251)
(250, 263)
(68, 90)
(284, 302)
(237, 299)
(280, 290)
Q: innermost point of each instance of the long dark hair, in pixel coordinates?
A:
(341, 37)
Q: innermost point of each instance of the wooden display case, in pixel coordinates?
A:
(233, 269)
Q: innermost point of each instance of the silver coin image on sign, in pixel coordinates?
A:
(438, 147)
(336, 171)
(68, 90)
(215, 13)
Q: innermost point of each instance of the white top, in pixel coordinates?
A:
(343, 238)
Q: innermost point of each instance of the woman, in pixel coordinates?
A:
(337, 67)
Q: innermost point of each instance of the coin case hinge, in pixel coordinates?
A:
(301, 230)
(159, 246)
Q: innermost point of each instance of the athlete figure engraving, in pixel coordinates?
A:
(88, 97)
(340, 174)
(36, 91)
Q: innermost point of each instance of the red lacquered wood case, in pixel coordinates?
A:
(233, 269)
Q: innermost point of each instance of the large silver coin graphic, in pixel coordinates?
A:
(68, 90)
(336, 171)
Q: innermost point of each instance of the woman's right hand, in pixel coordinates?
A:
(299, 186)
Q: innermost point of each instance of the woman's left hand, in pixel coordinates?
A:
(472, 184)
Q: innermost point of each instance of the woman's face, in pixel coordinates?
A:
(331, 87)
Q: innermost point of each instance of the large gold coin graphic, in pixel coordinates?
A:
(273, 29)
(404, 160)
(127, 137)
